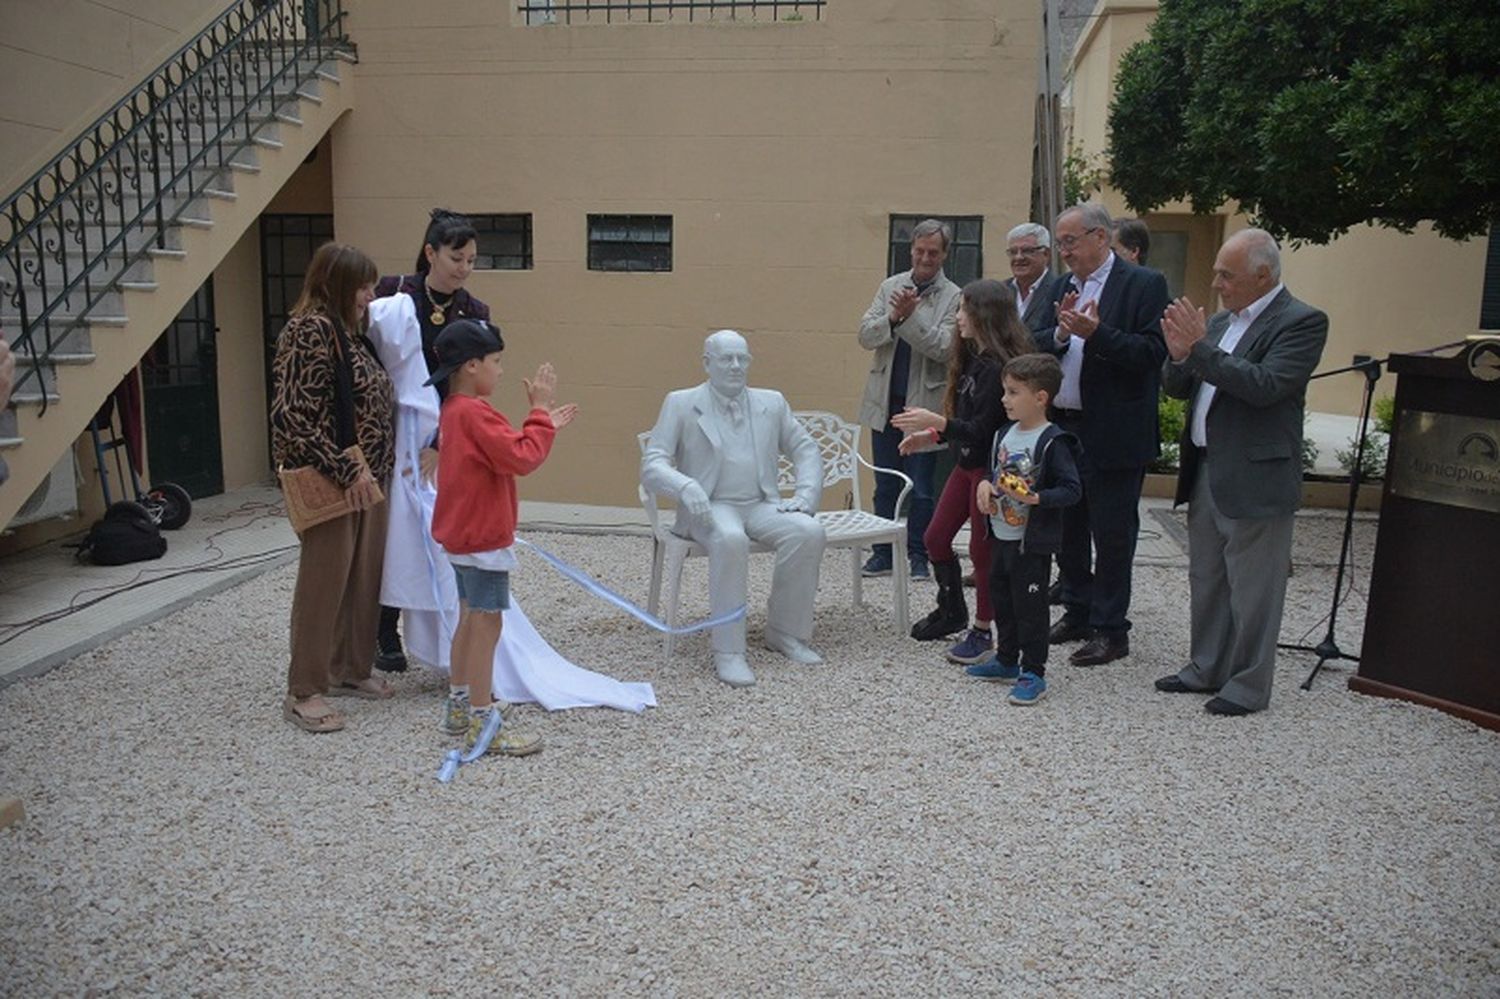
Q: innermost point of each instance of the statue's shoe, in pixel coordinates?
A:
(794, 649)
(733, 669)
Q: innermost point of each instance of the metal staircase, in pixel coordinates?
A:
(102, 246)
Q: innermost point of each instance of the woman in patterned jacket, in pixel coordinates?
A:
(324, 367)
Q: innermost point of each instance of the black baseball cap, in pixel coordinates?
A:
(462, 341)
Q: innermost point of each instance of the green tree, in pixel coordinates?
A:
(1315, 115)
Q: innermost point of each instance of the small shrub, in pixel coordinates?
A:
(1309, 455)
(1385, 414)
(1171, 415)
(1372, 467)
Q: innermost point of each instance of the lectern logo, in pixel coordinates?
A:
(1447, 458)
(1484, 362)
(1479, 446)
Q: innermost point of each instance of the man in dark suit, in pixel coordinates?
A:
(1029, 249)
(1244, 374)
(1109, 340)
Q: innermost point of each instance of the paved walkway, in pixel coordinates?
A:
(53, 608)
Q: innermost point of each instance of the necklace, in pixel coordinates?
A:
(439, 311)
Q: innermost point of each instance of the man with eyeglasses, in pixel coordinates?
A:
(909, 329)
(1108, 336)
(1029, 249)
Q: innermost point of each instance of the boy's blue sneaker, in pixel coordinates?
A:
(1029, 689)
(976, 647)
(993, 672)
(877, 565)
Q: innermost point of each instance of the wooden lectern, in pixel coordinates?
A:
(1432, 630)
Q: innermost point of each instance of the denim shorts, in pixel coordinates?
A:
(483, 589)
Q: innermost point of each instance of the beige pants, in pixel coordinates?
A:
(336, 606)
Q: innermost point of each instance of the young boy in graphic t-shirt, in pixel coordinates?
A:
(474, 518)
(1033, 475)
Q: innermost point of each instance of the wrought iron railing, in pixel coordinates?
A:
(76, 228)
(660, 11)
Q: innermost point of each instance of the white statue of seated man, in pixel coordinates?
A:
(714, 451)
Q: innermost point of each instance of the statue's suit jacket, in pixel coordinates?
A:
(1255, 418)
(686, 446)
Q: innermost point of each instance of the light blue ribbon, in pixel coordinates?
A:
(604, 593)
(453, 759)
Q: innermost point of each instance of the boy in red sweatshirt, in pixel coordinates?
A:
(474, 518)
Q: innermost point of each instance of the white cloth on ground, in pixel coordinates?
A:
(418, 578)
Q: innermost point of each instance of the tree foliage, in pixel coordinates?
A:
(1315, 115)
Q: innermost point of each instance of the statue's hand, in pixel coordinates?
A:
(694, 500)
(791, 505)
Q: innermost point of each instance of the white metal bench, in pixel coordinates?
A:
(854, 529)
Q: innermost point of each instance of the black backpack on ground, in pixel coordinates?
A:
(126, 533)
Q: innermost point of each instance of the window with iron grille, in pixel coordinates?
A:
(965, 261)
(504, 242)
(668, 11)
(1489, 295)
(630, 242)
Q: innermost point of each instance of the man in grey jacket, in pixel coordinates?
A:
(1244, 374)
(909, 326)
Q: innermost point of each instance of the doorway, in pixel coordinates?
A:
(180, 376)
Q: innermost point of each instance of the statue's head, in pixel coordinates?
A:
(726, 358)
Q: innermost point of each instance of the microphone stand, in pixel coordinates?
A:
(1328, 648)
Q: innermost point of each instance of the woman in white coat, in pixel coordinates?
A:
(417, 578)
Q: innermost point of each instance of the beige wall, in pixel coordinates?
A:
(242, 364)
(65, 62)
(780, 151)
(1383, 291)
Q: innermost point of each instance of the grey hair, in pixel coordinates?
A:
(932, 227)
(1092, 214)
(1031, 229)
(1261, 251)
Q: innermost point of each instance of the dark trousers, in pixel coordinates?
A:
(919, 467)
(1018, 589)
(1098, 544)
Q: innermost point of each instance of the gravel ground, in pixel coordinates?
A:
(878, 825)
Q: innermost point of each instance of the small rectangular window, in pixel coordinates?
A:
(504, 242)
(965, 261)
(630, 242)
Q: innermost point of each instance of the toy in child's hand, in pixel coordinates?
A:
(1010, 480)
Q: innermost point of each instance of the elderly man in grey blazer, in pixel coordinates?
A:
(714, 451)
(1244, 374)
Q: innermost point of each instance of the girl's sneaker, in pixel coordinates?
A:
(976, 647)
(1029, 689)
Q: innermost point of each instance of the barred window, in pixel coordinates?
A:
(965, 261)
(504, 242)
(668, 11)
(630, 242)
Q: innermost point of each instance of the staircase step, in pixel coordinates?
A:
(26, 357)
(34, 399)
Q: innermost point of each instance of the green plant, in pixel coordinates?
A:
(1171, 416)
(1372, 465)
(1385, 414)
(1081, 175)
(1309, 455)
